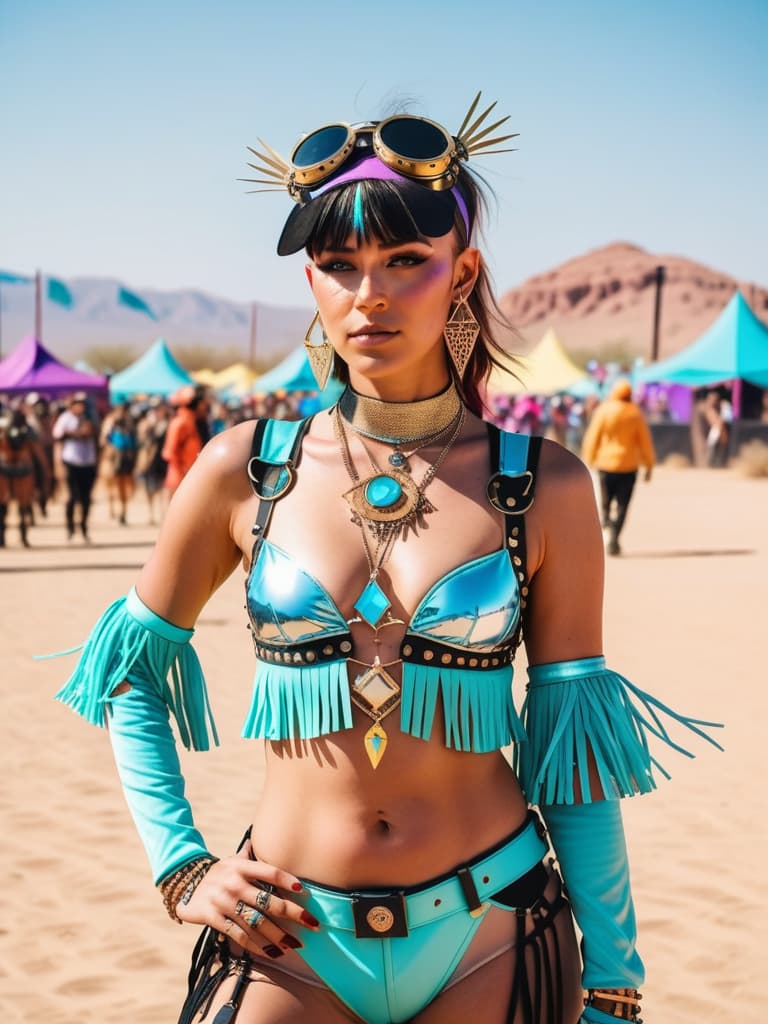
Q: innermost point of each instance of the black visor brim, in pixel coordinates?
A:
(433, 213)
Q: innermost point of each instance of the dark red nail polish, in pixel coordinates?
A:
(273, 952)
(307, 918)
(297, 886)
(292, 943)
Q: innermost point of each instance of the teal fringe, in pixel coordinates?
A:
(120, 644)
(299, 701)
(479, 712)
(566, 719)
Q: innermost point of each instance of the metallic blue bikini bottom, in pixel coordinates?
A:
(387, 954)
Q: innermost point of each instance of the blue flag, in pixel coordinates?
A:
(133, 301)
(58, 292)
(6, 277)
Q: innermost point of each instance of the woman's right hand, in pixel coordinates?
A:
(238, 887)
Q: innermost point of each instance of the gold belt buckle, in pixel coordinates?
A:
(380, 916)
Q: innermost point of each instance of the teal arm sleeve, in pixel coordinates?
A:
(589, 843)
(593, 1016)
(148, 765)
(576, 707)
(130, 643)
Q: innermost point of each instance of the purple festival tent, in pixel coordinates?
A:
(31, 367)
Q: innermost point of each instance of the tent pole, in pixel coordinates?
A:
(736, 398)
(38, 306)
(657, 314)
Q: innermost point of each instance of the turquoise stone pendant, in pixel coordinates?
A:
(372, 603)
(383, 491)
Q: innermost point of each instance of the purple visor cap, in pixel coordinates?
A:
(433, 211)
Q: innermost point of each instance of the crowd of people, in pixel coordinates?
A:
(52, 447)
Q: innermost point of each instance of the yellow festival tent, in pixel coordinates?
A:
(235, 379)
(546, 370)
(206, 377)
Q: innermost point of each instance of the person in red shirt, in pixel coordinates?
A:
(182, 439)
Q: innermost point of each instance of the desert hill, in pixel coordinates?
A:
(602, 302)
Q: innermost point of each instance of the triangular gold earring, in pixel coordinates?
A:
(320, 356)
(460, 333)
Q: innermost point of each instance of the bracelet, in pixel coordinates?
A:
(621, 1003)
(179, 887)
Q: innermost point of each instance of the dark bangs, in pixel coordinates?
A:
(386, 209)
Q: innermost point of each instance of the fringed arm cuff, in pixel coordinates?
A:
(130, 638)
(576, 708)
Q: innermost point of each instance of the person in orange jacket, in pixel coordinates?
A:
(182, 439)
(616, 443)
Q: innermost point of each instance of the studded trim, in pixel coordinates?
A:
(311, 652)
(426, 651)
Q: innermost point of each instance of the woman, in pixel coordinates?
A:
(151, 467)
(120, 449)
(20, 453)
(393, 870)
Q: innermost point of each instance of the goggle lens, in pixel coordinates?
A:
(321, 145)
(413, 138)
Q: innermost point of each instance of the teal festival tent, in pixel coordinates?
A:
(155, 373)
(295, 374)
(735, 347)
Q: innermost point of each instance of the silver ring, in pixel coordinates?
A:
(262, 901)
(228, 925)
(240, 907)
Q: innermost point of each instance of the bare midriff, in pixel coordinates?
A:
(328, 817)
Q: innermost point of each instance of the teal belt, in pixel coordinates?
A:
(378, 913)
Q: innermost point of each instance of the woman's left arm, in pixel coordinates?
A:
(563, 635)
(587, 741)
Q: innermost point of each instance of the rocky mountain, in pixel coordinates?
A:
(602, 303)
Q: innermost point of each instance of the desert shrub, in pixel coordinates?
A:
(752, 459)
(110, 358)
(676, 460)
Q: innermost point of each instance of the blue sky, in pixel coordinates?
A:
(124, 127)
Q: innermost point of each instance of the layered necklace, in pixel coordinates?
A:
(385, 505)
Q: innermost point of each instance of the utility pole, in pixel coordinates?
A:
(660, 274)
(252, 341)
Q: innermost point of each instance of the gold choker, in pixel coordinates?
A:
(399, 423)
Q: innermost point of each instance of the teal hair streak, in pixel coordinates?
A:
(358, 218)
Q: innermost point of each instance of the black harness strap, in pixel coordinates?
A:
(514, 521)
(257, 472)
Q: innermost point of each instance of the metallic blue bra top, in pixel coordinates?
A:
(474, 607)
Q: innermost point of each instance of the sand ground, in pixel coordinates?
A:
(83, 935)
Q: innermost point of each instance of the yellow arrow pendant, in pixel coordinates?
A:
(375, 744)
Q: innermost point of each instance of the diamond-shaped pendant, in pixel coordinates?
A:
(375, 690)
(375, 744)
(372, 603)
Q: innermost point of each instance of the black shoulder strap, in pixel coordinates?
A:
(271, 479)
(513, 494)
